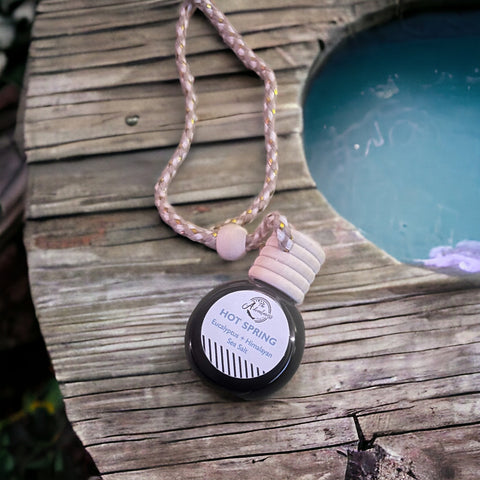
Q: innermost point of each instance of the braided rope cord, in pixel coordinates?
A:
(273, 221)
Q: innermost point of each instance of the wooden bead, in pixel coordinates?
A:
(231, 240)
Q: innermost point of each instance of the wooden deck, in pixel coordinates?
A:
(393, 351)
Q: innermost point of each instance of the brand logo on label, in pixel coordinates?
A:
(258, 309)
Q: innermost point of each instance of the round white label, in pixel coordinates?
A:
(245, 334)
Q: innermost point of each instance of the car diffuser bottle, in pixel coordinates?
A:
(248, 336)
(245, 337)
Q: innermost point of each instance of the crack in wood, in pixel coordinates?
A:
(372, 462)
(363, 443)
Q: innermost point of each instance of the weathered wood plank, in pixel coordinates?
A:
(228, 6)
(161, 70)
(166, 393)
(240, 81)
(429, 414)
(50, 128)
(126, 180)
(75, 21)
(283, 439)
(321, 463)
(87, 51)
(109, 229)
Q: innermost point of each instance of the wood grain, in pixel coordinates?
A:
(126, 180)
(393, 350)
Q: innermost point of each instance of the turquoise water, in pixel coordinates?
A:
(392, 133)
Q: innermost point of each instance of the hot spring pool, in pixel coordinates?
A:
(392, 136)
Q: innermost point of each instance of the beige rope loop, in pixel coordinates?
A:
(272, 222)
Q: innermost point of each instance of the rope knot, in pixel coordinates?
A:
(272, 223)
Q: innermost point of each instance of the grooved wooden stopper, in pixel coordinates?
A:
(291, 272)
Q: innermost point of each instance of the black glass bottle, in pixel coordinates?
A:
(245, 337)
